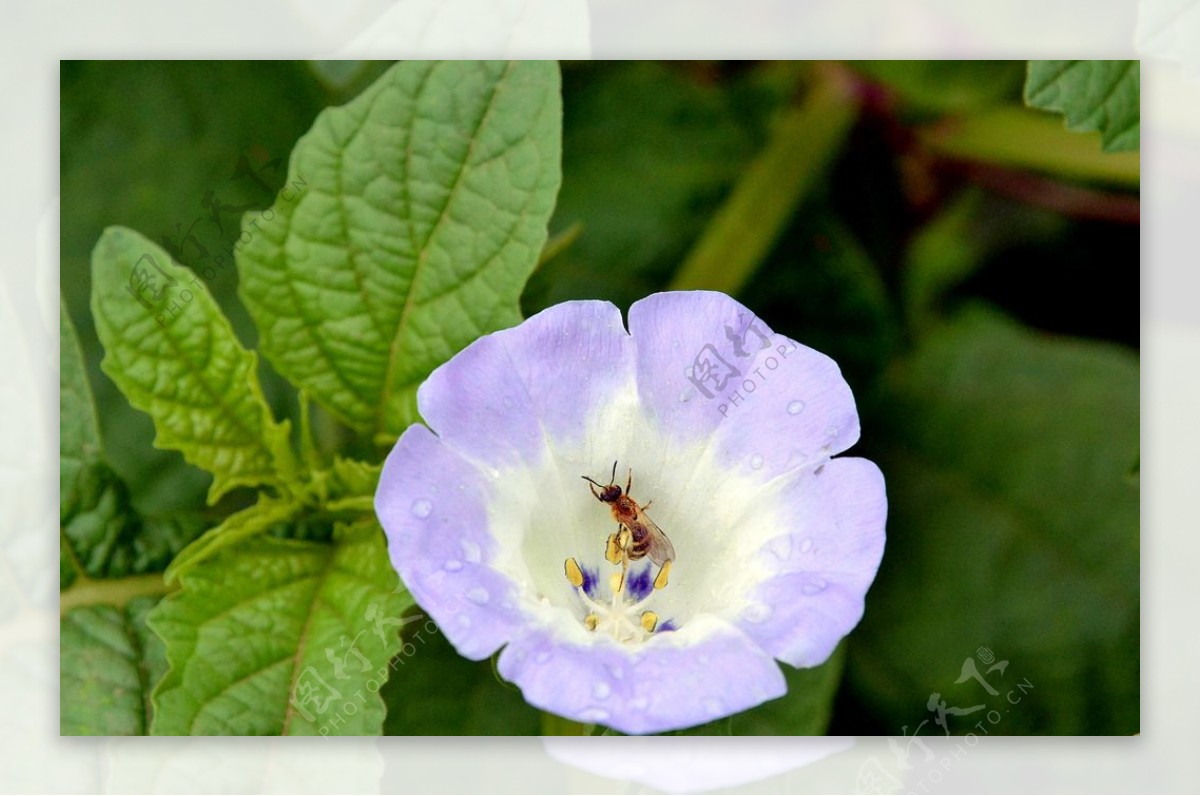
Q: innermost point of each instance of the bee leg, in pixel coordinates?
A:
(663, 573)
(594, 492)
(646, 505)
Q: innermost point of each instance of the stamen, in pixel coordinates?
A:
(590, 621)
(616, 582)
(574, 573)
(661, 581)
(649, 621)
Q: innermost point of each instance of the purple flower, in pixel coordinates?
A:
(728, 431)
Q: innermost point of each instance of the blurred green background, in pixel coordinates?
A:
(971, 264)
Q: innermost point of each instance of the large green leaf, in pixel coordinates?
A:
(175, 357)
(109, 661)
(1013, 525)
(281, 637)
(409, 223)
(110, 559)
(1092, 95)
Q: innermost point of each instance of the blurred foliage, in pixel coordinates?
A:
(971, 264)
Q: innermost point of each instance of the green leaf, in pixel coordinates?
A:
(281, 637)
(248, 522)
(1092, 95)
(79, 445)
(806, 708)
(1013, 525)
(408, 225)
(108, 663)
(175, 357)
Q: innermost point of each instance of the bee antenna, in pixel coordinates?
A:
(585, 478)
(612, 479)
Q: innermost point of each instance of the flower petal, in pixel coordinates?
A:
(433, 507)
(708, 369)
(824, 566)
(660, 687)
(504, 396)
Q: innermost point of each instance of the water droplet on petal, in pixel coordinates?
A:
(616, 671)
(471, 551)
(594, 714)
(542, 657)
(806, 546)
(756, 462)
(464, 620)
(814, 586)
(453, 565)
(780, 547)
(508, 402)
(757, 613)
(601, 690)
(713, 706)
(831, 432)
(795, 407)
(421, 508)
(478, 595)
(686, 395)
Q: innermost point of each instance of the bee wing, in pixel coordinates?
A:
(660, 548)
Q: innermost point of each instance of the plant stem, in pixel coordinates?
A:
(803, 144)
(557, 725)
(111, 591)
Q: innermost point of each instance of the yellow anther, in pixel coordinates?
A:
(590, 621)
(616, 582)
(612, 550)
(574, 573)
(661, 581)
(649, 621)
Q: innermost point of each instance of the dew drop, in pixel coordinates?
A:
(757, 613)
(831, 432)
(542, 657)
(616, 671)
(508, 402)
(453, 565)
(756, 462)
(471, 551)
(795, 407)
(594, 714)
(806, 546)
(814, 586)
(464, 620)
(713, 705)
(601, 690)
(421, 508)
(686, 395)
(780, 547)
(478, 595)
(688, 372)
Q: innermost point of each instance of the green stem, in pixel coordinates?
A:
(803, 144)
(557, 725)
(111, 591)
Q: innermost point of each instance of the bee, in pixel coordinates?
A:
(637, 536)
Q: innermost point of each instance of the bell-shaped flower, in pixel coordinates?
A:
(658, 592)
